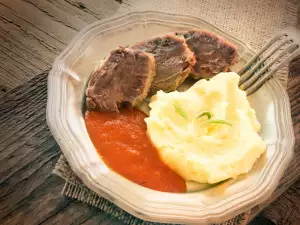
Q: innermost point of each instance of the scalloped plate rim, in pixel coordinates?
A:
(205, 217)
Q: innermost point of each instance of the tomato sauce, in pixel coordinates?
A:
(123, 144)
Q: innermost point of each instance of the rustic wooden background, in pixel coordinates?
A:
(32, 34)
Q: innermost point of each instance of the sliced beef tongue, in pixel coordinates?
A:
(125, 77)
(213, 54)
(173, 58)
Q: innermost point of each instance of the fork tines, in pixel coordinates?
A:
(281, 49)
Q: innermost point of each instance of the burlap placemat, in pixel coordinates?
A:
(74, 188)
(251, 21)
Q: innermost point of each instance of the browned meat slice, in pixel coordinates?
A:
(173, 59)
(125, 77)
(213, 54)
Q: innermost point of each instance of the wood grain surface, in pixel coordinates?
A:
(32, 34)
(286, 209)
(30, 194)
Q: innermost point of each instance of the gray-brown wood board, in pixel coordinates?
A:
(30, 194)
(34, 32)
(286, 209)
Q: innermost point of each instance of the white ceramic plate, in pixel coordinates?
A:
(66, 85)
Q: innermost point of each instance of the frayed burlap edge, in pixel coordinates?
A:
(74, 188)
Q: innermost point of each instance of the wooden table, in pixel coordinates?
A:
(29, 193)
(34, 32)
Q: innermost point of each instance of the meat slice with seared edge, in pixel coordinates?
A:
(213, 54)
(174, 61)
(124, 78)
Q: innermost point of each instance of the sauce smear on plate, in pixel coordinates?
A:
(122, 142)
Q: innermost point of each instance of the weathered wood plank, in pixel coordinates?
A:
(58, 29)
(78, 213)
(33, 33)
(28, 154)
(29, 193)
(100, 219)
(288, 198)
(285, 210)
(75, 213)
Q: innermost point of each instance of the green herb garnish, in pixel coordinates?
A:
(219, 122)
(208, 114)
(180, 111)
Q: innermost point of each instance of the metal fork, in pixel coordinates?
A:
(256, 71)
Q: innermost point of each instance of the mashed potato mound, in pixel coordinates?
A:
(197, 149)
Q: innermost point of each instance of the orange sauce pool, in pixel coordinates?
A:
(123, 144)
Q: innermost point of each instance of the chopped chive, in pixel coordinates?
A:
(220, 122)
(208, 114)
(180, 111)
